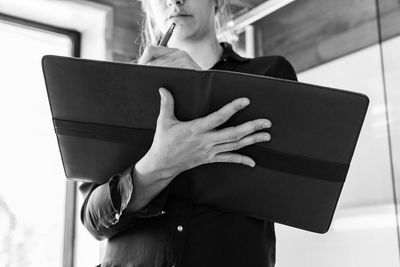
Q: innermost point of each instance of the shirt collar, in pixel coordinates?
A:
(229, 53)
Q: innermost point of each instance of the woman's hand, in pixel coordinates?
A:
(179, 146)
(168, 57)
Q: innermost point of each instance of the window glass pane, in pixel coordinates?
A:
(390, 31)
(363, 231)
(391, 56)
(336, 44)
(32, 184)
(87, 248)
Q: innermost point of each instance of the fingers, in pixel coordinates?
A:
(162, 61)
(152, 52)
(248, 140)
(234, 158)
(217, 118)
(166, 106)
(169, 60)
(231, 134)
(177, 59)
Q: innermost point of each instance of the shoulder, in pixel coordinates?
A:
(274, 66)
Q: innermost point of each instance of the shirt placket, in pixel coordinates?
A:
(180, 228)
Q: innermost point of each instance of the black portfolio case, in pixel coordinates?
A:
(105, 113)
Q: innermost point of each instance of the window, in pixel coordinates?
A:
(32, 184)
(363, 230)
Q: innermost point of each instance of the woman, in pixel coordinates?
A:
(136, 211)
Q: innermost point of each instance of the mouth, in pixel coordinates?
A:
(178, 17)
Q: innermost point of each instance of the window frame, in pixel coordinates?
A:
(68, 254)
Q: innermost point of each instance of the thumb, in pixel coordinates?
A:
(166, 105)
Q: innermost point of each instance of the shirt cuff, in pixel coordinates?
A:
(122, 190)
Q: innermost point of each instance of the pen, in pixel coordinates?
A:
(167, 35)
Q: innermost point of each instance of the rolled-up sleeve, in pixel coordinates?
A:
(284, 70)
(103, 210)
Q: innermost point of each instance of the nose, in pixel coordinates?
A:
(175, 2)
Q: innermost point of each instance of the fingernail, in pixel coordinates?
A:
(267, 137)
(252, 164)
(245, 102)
(162, 97)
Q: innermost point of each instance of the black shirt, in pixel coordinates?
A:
(173, 232)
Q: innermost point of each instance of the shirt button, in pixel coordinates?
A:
(117, 215)
(179, 228)
(224, 59)
(162, 212)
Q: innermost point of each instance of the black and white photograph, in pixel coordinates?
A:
(200, 133)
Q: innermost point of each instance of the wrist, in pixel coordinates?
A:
(148, 170)
(148, 182)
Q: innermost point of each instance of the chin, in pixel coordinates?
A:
(180, 34)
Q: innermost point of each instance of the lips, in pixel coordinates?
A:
(178, 16)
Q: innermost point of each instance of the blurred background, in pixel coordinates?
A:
(348, 44)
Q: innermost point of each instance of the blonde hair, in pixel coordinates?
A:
(151, 35)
